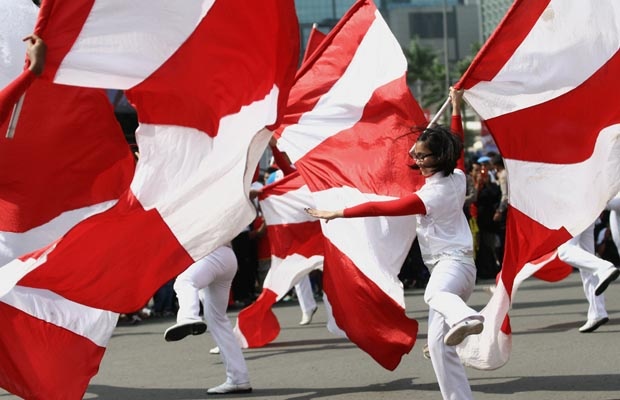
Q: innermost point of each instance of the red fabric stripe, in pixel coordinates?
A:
(43, 361)
(507, 37)
(384, 331)
(304, 238)
(55, 164)
(373, 154)
(314, 41)
(526, 240)
(138, 238)
(327, 64)
(258, 323)
(569, 124)
(281, 187)
(65, 21)
(168, 97)
(554, 271)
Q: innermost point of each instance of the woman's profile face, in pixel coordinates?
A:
(424, 159)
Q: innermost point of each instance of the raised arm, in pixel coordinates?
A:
(456, 125)
(408, 205)
(281, 159)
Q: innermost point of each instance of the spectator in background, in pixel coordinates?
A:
(488, 199)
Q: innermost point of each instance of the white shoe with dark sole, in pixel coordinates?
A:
(181, 330)
(231, 388)
(460, 331)
(591, 326)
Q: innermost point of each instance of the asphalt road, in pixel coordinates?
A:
(550, 359)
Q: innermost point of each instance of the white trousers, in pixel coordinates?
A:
(209, 279)
(449, 287)
(304, 295)
(579, 253)
(614, 220)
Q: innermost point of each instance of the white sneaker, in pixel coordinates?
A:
(460, 331)
(307, 318)
(610, 275)
(592, 325)
(180, 330)
(229, 388)
(215, 350)
(426, 352)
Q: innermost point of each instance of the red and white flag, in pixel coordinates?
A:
(347, 130)
(295, 240)
(543, 84)
(202, 109)
(204, 91)
(67, 161)
(297, 249)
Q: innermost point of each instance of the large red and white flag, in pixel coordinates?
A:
(543, 87)
(295, 240)
(296, 249)
(205, 77)
(203, 90)
(347, 130)
(67, 161)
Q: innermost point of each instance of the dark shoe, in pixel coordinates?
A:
(610, 276)
(460, 331)
(231, 388)
(179, 331)
(591, 326)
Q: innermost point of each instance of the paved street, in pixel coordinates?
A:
(550, 360)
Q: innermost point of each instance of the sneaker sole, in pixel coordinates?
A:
(460, 334)
(603, 286)
(179, 332)
(595, 326)
(238, 391)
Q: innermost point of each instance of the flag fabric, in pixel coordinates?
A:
(202, 108)
(557, 131)
(296, 245)
(297, 249)
(347, 128)
(68, 160)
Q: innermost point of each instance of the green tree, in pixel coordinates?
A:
(425, 74)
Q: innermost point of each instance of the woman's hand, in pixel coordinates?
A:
(322, 214)
(36, 52)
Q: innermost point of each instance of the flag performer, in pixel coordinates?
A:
(446, 244)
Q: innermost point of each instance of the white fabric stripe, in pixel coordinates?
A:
(14, 271)
(17, 19)
(13, 245)
(577, 37)
(288, 208)
(548, 193)
(184, 173)
(285, 273)
(91, 323)
(492, 348)
(143, 28)
(377, 245)
(342, 106)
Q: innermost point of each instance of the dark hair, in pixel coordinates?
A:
(445, 146)
(497, 160)
(37, 3)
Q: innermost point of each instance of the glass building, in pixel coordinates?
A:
(492, 12)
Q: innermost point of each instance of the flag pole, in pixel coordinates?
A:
(441, 110)
(433, 121)
(17, 109)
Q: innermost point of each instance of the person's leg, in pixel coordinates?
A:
(215, 304)
(450, 285)
(579, 253)
(306, 300)
(449, 371)
(187, 284)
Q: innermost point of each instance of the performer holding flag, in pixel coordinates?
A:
(446, 244)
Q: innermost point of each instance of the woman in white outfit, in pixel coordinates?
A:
(210, 279)
(446, 243)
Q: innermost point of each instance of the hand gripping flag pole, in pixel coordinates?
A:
(15, 117)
